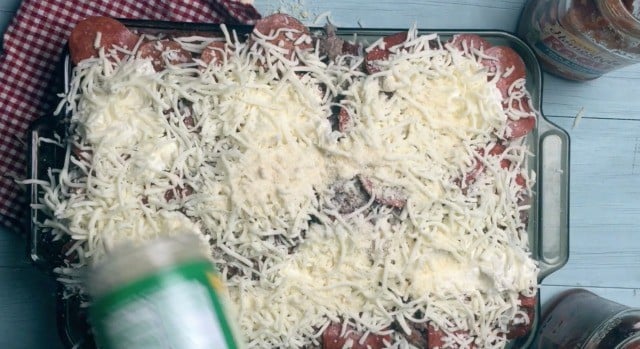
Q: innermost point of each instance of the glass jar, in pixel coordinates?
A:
(581, 319)
(582, 39)
(164, 294)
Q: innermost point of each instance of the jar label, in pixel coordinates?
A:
(174, 308)
(566, 49)
(572, 52)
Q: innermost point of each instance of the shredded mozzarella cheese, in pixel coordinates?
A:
(255, 174)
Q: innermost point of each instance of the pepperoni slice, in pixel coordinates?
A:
(476, 171)
(171, 50)
(528, 302)
(350, 48)
(284, 31)
(528, 305)
(523, 125)
(470, 42)
(520, 128)
(343, 119)
(479, 167)
(508, 64)
(381, 54)
(331, 339)
(214, 52)
(521, 181)
(419, 335)
(523, 201)
(436, 337)
(498, 149)
(112, 33)
(388, 196)
(181, 192)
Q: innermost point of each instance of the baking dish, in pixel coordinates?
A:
(549, 144)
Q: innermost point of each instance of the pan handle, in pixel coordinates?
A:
(38, 129)
(553, 198)
(34, 172)
(41, 248)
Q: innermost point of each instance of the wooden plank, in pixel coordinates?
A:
(442, 14)
(5, 19)
(27, 298)
(9, 5)
(605, 187)
(27, 305)
(13, 250)
(617, 95)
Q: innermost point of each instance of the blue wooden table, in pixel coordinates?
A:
(605, 164)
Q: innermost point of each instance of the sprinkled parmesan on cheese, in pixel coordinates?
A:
(243, 153)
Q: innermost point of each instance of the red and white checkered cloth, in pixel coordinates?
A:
(32, 46)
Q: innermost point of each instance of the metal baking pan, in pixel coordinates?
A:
(548, 217)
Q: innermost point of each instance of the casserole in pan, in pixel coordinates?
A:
(547, 226)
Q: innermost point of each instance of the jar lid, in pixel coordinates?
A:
(620, 16)
(631, 342)
(621, 331)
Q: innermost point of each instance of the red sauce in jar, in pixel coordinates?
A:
(582, 39)
(578, 318)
